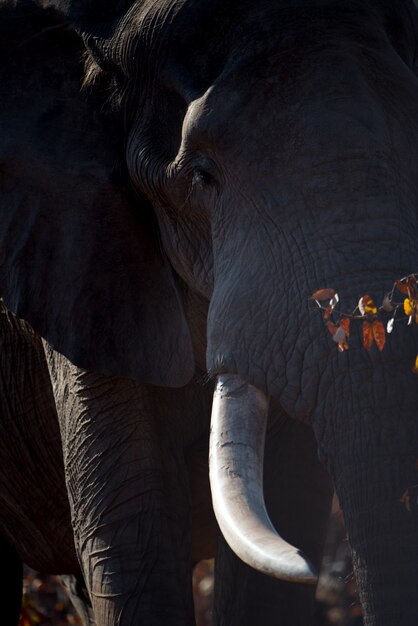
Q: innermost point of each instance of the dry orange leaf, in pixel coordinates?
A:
(412, 287)
(327, 313)
(409, 287)
(367, 334)
(345, 325)
(374, 331)
(323, 294)
(342, 346)
(340, 333)
(379, 334)
(402, 287)
(333, 329)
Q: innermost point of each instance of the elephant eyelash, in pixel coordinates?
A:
(195, 179)
(201, 178)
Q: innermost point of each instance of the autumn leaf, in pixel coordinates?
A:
(345, 325)
(379, 334)
(367, 306)
(330, 307)
(415, 370)
(402, 287)
(374, 331)
(411, 282)
(367, 334)
(408, 286)
(334, 301)
(339, 334)
(409, 306)
(342, 346)
(334, 329)
(327, 313)
(323, 295)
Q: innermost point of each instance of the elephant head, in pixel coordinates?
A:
(265, 149)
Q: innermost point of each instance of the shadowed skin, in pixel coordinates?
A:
(264, 150)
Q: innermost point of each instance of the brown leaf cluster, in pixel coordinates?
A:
(374, 329)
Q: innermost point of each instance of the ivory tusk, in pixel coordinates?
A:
(236, 452)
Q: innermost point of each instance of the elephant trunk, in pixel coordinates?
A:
(370, 445)
(381, 522)
(238, 426)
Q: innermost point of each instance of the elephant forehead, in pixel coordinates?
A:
(263, 98)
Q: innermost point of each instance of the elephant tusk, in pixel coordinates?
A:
(236, 452)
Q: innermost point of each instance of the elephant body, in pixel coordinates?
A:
(176, 179)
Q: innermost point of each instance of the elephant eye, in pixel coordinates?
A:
(201, 177)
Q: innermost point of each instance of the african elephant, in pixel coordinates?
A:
(177, 178)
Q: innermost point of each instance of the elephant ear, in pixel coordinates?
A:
(79, 259)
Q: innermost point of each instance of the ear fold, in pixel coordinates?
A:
(78, 259)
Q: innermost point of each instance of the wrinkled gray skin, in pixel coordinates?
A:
(276, 145)
(169, 469)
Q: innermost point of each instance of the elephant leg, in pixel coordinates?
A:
(34, 511)
(131, 531)
(11, 587)
(298, 494)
